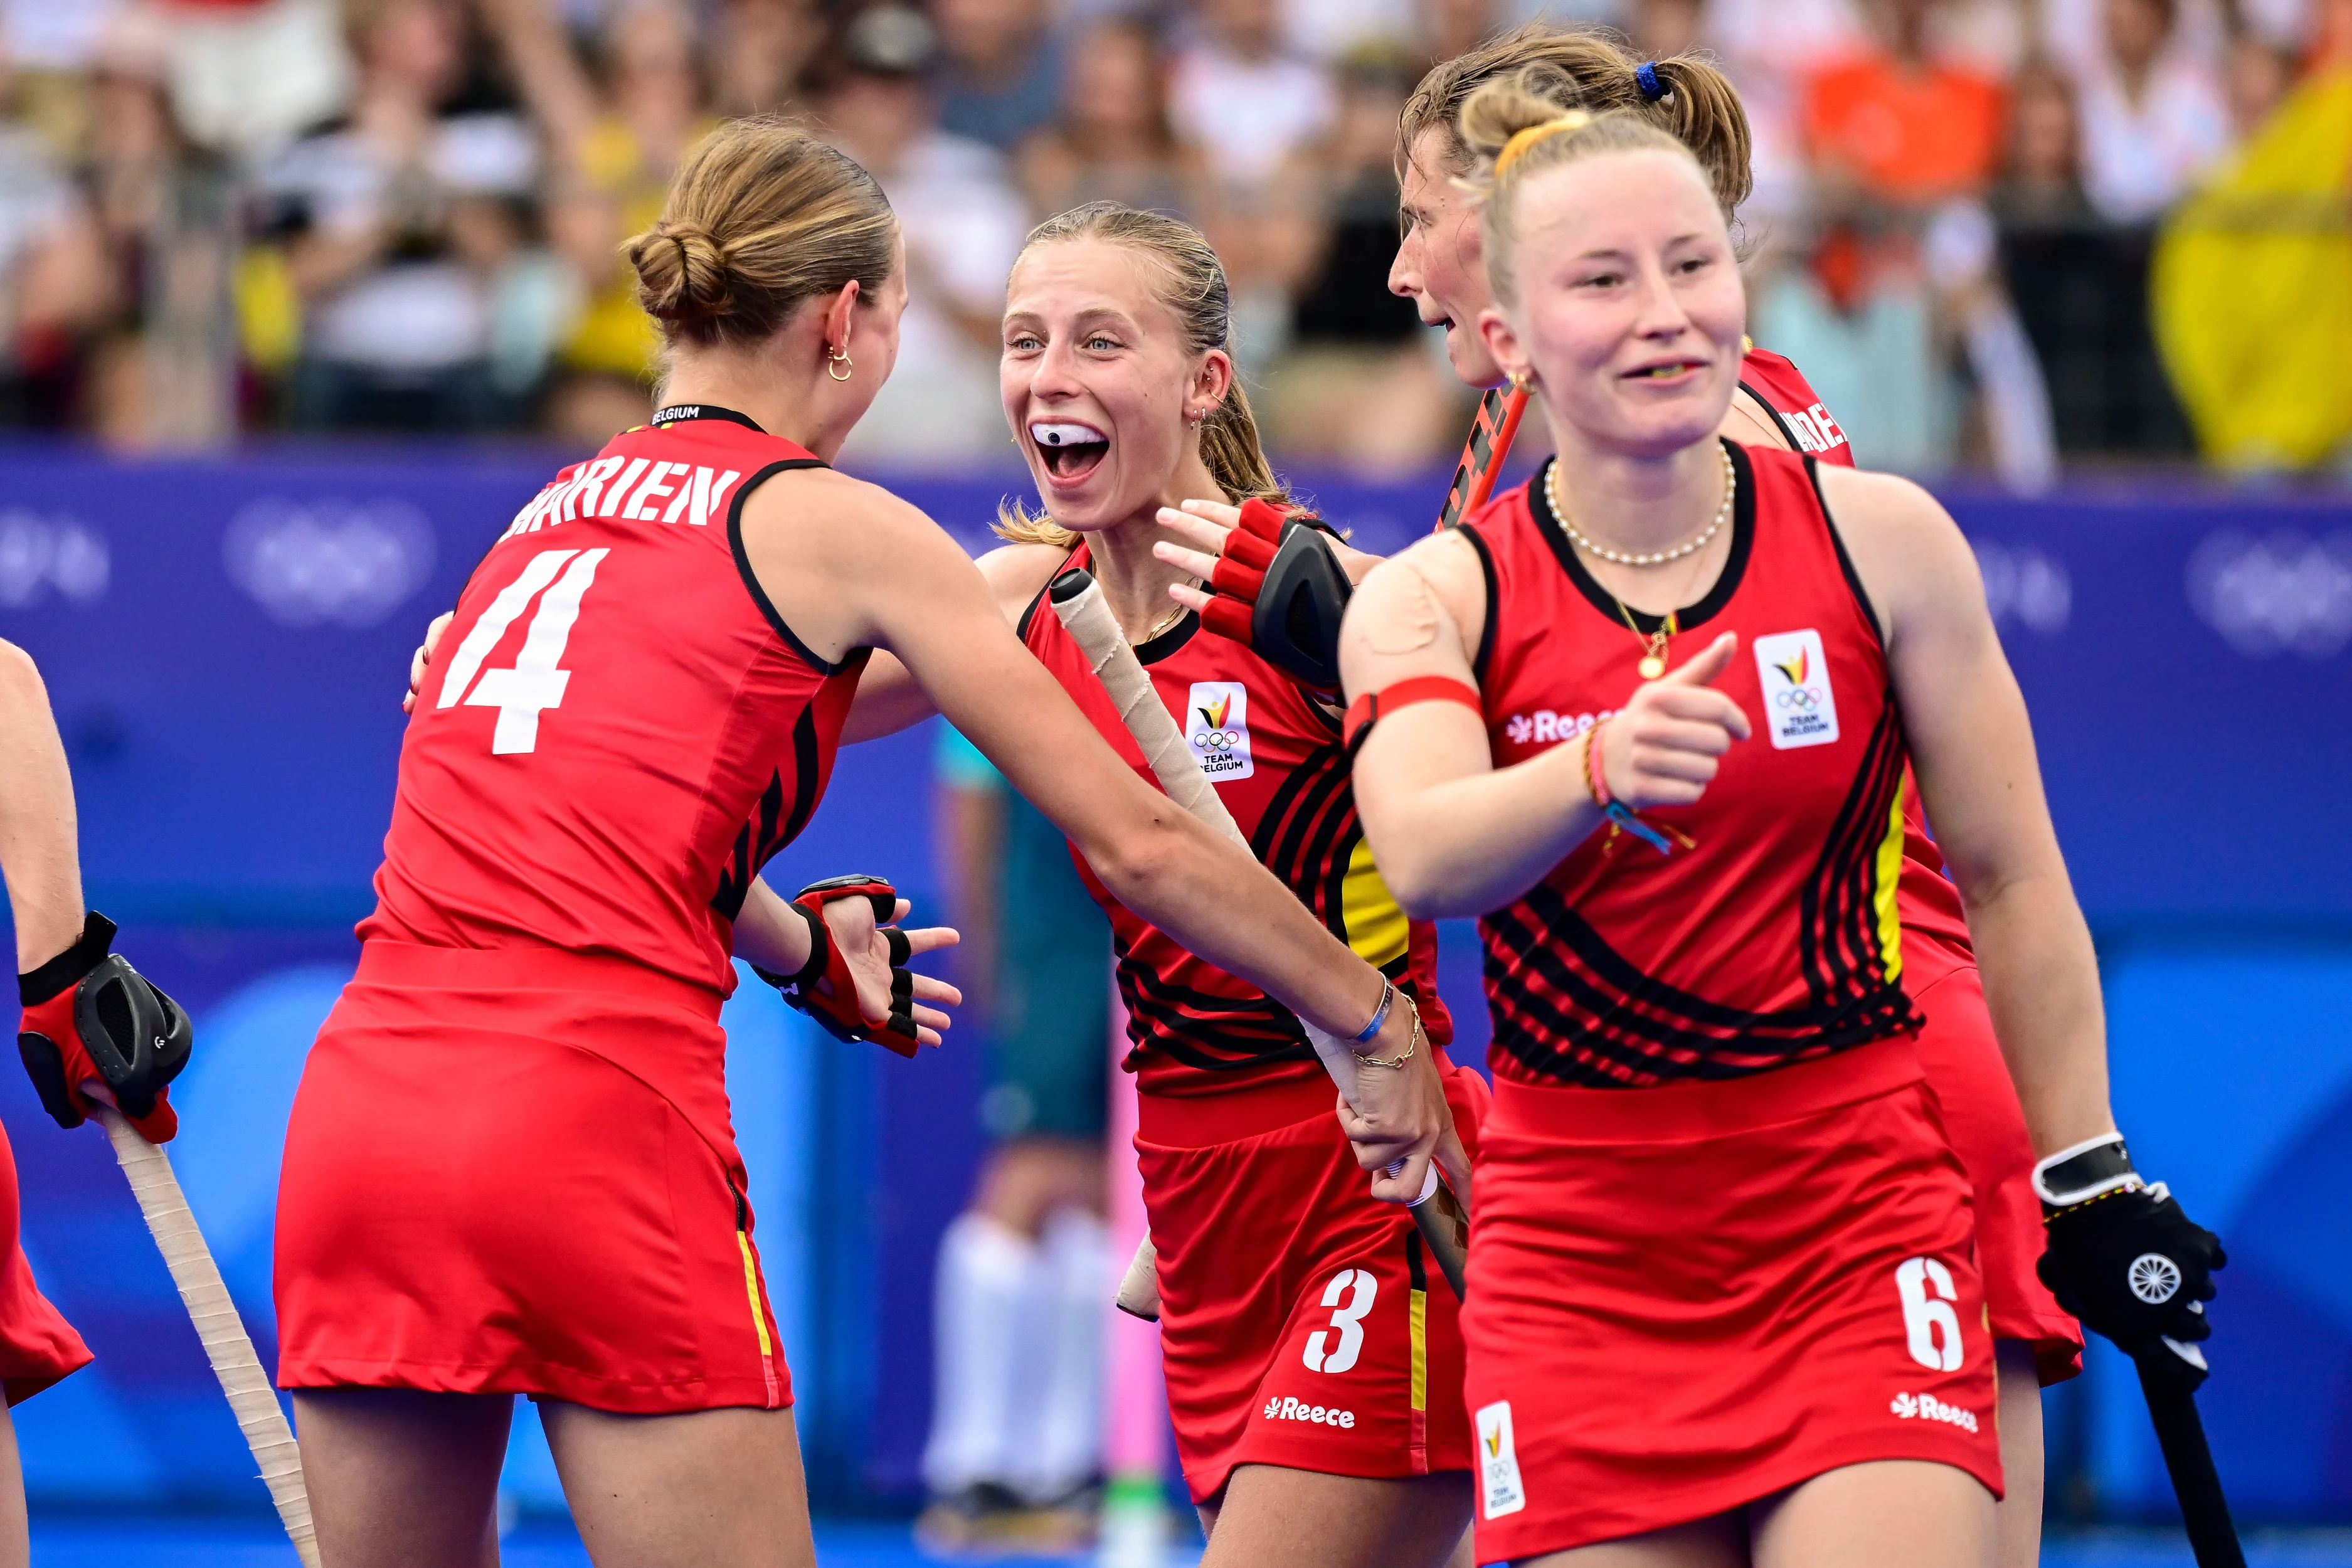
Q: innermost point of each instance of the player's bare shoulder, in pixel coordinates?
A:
(1017, 572)
(1912, 557)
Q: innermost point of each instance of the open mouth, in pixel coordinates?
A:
(1071, 450)
(1666, 371)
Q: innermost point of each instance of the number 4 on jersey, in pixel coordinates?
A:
(533, 683)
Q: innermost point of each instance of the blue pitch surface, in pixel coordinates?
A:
(216, 1543)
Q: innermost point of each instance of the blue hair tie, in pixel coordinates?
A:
(1646, 76)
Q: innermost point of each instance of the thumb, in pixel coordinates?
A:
(1710, 663)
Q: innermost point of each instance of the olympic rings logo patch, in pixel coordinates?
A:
(1216, 724)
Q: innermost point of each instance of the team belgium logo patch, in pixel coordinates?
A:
(1217, 725)
(1798, 705)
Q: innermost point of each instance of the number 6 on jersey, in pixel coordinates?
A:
(533, 683)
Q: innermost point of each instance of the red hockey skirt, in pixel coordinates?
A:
(513, 1172)
(1685, 1299)
(1981, 1113)
(1302, 1322)
(37, 1346)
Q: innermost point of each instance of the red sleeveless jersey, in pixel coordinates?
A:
(1930, 904)
(1774, 940)
(618, 730)
(1276, 758)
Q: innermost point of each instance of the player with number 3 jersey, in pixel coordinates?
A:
(1311, 1347)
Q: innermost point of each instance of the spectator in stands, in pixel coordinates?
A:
(1242, 96)
(758, 50)
(1899, 125)
(1112, 139)
(1444, 29)
(963, 225)
(1361, 385)
(52, 282)
(2259, 75)
(613, 140)
(395, 324)
(1017, 1322)
(1001, 70)
(2152, 111)
(166, 214)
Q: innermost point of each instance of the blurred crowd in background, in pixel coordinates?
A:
(1999, 235)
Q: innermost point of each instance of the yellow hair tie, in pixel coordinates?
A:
(1574, 119)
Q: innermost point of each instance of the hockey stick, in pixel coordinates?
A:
(2181, 1435)
(227, 1345)
(1491, 434)
(1078, 601)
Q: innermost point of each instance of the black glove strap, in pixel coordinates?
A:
(820, 950)
(2089, 1170)
(67, 968)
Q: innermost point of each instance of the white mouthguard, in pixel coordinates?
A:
(1065, 435)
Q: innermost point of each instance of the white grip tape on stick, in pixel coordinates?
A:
(1089, 621)
(227, 1345)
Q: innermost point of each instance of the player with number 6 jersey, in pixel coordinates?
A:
(1724, 1302)
(511, 1167)
(1438, 265)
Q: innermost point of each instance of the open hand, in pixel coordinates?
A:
(868, 949)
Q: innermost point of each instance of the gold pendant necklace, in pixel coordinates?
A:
(1653, 655)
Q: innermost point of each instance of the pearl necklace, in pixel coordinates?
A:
(1647, 558)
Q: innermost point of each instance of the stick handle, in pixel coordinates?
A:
(1088, 616)
(1491, 433)
(227, 1345)
(2180, 1433)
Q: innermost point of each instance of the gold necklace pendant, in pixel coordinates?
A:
(1653, 655)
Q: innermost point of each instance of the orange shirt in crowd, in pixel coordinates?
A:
(1907, 133)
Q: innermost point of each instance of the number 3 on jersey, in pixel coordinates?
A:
(533, 683)
(1360, 1286)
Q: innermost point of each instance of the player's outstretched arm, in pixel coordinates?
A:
(1455, 835)
(876, 572)
(38, 845)
(1973, 747)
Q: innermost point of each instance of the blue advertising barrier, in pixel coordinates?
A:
(227, 642)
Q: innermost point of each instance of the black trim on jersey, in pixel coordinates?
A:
(1493, 597)
(680, 413)
(1151, 650)
(1779, 420)
(1743, 543)
(772, 827)
(1308, 831)
(1020, 627)
(1846, 562)
(751, 579)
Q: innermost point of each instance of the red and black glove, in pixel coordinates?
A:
(825, 990)
(1279, 589)
(91, 1017)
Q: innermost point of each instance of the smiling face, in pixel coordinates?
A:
(1441, 261)
(1629, 308)
(1100, 386)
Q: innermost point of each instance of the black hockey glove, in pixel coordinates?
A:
(2124, 1257)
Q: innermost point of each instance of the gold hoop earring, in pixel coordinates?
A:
(840, 357)
(1521, 380)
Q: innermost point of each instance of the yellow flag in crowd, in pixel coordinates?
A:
(2252, 288)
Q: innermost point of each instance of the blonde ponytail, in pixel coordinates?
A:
(1593, 71)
